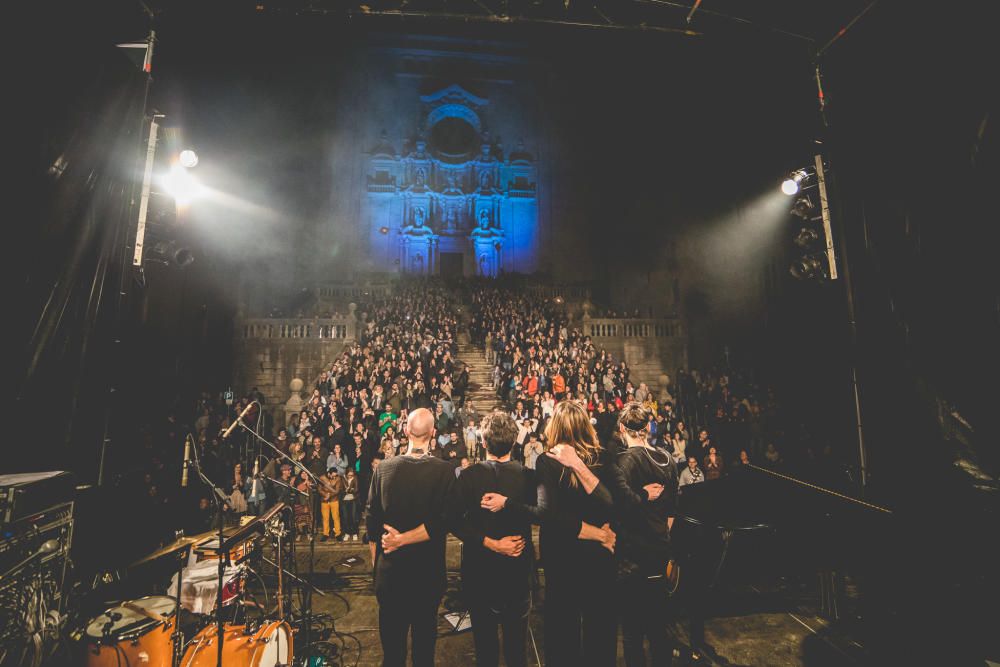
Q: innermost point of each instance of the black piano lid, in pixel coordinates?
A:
(752, 498)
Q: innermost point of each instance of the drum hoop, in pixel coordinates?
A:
(145, 626)
(173, 602)
(116, 636)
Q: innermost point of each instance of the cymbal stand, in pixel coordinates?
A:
(220, 503)
(307, 604)
(177, 638)
(275, 529)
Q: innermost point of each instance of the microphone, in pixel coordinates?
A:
(187, 461)
(256, 471)
(225, 434)
(48, 546)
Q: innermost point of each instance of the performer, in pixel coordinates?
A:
(407, 525)
(577, 544)
(643, 483)
(497, 507)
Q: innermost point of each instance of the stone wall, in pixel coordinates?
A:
(653, 347)
(270, 353)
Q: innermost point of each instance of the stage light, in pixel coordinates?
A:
(169, 253)
(188, 159)
(181, 185)
(790, 185)
(807, 237)
(803, 207)
(808, 267)
(383, 230)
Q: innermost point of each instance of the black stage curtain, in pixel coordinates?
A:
(74, 266)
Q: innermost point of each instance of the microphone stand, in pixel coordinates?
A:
(220, 502)
(307, 611)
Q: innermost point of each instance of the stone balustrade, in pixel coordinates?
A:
(303, 328)
(353, 291)
(567, 292)
(607, 327)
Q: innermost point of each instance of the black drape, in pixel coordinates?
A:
(74, 267)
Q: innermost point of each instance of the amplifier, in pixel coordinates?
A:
(27, 493)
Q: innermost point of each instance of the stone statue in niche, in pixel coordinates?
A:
(450, 218)
(485, 180)
(418, 226)
(451, 184)
(421, 177)
(484, 230)
(418, 263)
(482, 265)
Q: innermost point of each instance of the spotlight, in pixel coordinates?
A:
(803, 207)
(383, 230)
(188, 159)
(806, 237)
(808, 267)
(170, 253)
(790, 185)
(181, 185)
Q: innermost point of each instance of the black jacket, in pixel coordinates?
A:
(640, 524)
(406, 492)
(490, 577)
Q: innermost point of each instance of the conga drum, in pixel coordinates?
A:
(269, 646)
(137, 632)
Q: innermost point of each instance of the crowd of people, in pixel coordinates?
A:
(399, 395)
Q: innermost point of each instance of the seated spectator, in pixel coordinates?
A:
(692, 474)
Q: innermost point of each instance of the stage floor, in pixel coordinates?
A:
(753, 625)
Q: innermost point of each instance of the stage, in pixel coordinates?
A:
(763, 624)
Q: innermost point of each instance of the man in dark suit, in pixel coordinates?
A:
(496, 500)
(407, 521)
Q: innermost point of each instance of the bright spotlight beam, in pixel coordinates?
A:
(790, 185)
(188, 159)
(181, 185)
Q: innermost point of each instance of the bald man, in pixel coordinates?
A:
(407, 521)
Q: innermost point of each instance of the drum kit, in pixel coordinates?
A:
(146, 631)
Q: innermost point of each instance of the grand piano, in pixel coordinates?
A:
(757, 522)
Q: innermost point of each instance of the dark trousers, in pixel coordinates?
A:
(399, 616)
(580, 627)
(644, 613)
(485, 625)
(349, 516)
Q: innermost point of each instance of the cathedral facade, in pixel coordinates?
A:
(446, 148)
(451, 202)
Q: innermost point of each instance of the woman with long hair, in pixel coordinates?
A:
(577, 543)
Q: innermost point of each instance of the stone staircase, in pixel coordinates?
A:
(481, 392)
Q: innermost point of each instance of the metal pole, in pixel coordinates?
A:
(120, 296)
(147, 182)
(845, 272)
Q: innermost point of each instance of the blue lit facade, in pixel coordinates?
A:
(452, 202)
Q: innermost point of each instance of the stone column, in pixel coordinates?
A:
(294, 403)
(352, 322)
